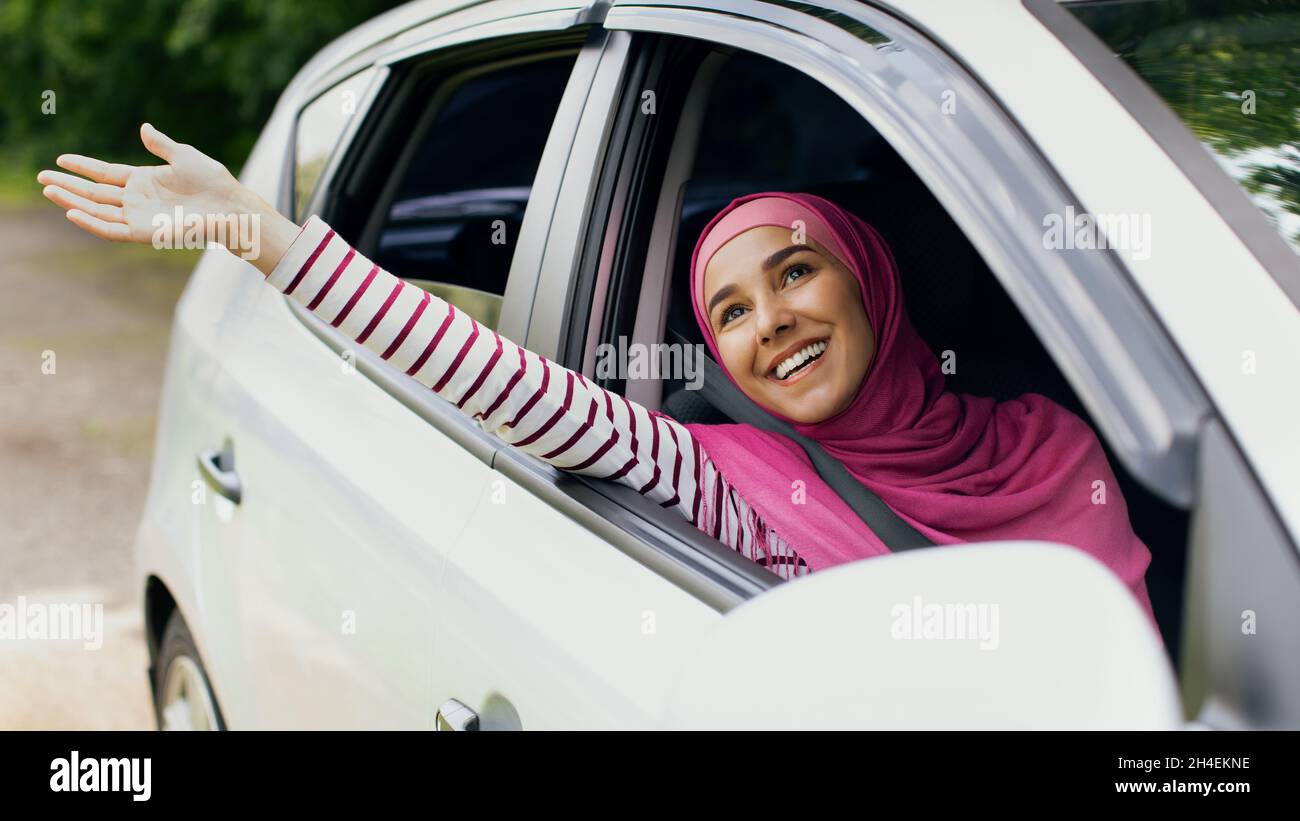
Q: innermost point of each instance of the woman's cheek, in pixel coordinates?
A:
(822, 298)
(734, 357)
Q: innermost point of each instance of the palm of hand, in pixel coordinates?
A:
(139, 203)
(153, 193)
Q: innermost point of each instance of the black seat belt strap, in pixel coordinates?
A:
(896, 533)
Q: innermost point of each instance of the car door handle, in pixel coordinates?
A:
(218, 470)
(453, 715)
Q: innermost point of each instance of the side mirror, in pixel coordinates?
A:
(1006, 635)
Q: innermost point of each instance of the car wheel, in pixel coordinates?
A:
(183, 698)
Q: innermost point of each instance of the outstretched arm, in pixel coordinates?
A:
(528, 401)
(533, 404)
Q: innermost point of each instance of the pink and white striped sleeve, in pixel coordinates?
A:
(531, 403)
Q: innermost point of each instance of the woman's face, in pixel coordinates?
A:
(770, 299)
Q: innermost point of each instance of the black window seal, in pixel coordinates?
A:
(636, 166)
(602, 214)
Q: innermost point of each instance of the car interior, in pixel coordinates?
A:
(464, 187)
(767, 127)
(441, 196)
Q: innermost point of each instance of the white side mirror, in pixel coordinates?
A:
(1001, 635)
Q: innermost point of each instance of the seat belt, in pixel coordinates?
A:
(721, 393)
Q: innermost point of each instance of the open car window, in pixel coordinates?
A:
(443, 172)
(769, 127)
(754, 124)
(451, 225)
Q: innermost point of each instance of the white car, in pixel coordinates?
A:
(295, 574)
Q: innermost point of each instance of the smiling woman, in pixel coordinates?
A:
(778, 305)
(798, 299)
(801, 302)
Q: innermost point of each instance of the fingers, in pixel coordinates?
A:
(94, 191)
(112, 173)
(158, 143)
(115, 231)
(66, 199)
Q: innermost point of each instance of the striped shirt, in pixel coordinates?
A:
(533, 404)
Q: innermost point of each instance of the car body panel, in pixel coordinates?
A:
(539, 613)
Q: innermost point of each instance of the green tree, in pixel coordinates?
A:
(1230, 69)
(207, 72)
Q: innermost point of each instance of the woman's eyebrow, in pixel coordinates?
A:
(723, 292)
(776, 258)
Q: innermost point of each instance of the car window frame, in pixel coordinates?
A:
(1183, 402)
(379, 76)
(662, 541)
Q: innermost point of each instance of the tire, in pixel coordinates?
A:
(183, 697)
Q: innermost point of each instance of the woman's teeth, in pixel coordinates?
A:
(800, 359)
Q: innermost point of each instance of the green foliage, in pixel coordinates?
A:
(1230, 69)
(206, 72)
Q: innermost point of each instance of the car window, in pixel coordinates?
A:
(768, 127)
(465, 180)
(320, 126)
(771, 126)
(1228, 70)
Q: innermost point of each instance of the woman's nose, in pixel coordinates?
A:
(774, 319)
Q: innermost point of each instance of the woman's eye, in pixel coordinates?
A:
(789, 274)
(730, 314)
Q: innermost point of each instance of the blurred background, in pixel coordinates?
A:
(79, 76)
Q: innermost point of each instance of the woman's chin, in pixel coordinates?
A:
(805, 410)
(817, 399)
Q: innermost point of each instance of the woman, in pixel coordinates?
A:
(798, 300)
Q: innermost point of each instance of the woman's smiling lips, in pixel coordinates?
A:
(803, 371)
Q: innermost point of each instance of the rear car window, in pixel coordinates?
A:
(452, 226)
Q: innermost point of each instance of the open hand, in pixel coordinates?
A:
(129, 203)
(120, 202)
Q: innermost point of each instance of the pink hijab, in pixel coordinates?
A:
(957, 467)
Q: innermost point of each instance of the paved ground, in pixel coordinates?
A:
(75, 450)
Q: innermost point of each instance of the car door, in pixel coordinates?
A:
(261, 469)
(355, 483)
(563, 581)
(564, 607)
